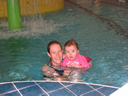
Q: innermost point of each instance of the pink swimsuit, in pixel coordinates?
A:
(79, 60)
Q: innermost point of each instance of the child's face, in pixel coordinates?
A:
(71, 52)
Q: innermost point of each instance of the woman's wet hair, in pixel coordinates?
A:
(51, 43)
(71, 42)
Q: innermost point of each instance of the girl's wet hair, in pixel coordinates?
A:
(51, 43)
(71, 42)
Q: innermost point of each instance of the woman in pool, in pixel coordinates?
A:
(73, 58)
(53, 68)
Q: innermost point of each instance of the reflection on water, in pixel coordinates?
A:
(75, 74)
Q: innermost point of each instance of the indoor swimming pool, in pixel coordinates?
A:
(101, 30)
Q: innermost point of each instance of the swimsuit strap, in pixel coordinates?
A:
(54, 67)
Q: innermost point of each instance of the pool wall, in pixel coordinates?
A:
(29, 7)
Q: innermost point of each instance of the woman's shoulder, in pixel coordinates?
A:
(45, 67)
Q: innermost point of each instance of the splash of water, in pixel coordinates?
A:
(30, 29)
(32, 25)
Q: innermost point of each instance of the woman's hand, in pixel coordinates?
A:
(66, 72)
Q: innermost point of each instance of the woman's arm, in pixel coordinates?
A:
(48, 71)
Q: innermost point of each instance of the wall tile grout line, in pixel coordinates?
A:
(8, 92)
(67, 88)
(41, 88)
(88, 92)
(102, 85)
(91, 90)
(17, 89)
(27, 87)
(58, 88)
(97, 90)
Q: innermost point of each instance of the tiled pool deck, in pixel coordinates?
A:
(54, 88)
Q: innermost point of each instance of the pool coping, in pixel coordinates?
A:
(54, 88)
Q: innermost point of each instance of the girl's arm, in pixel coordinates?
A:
(72, 64)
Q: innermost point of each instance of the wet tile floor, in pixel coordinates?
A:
(54, 88)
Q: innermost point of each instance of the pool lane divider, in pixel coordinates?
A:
(14, 17)
(119, 30)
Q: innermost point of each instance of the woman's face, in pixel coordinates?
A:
(71, 52)
(56, 54)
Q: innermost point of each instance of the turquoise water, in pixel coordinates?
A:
(100, 30)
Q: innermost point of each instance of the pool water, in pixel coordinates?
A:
(99, 28)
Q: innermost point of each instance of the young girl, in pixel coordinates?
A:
(73, 58)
